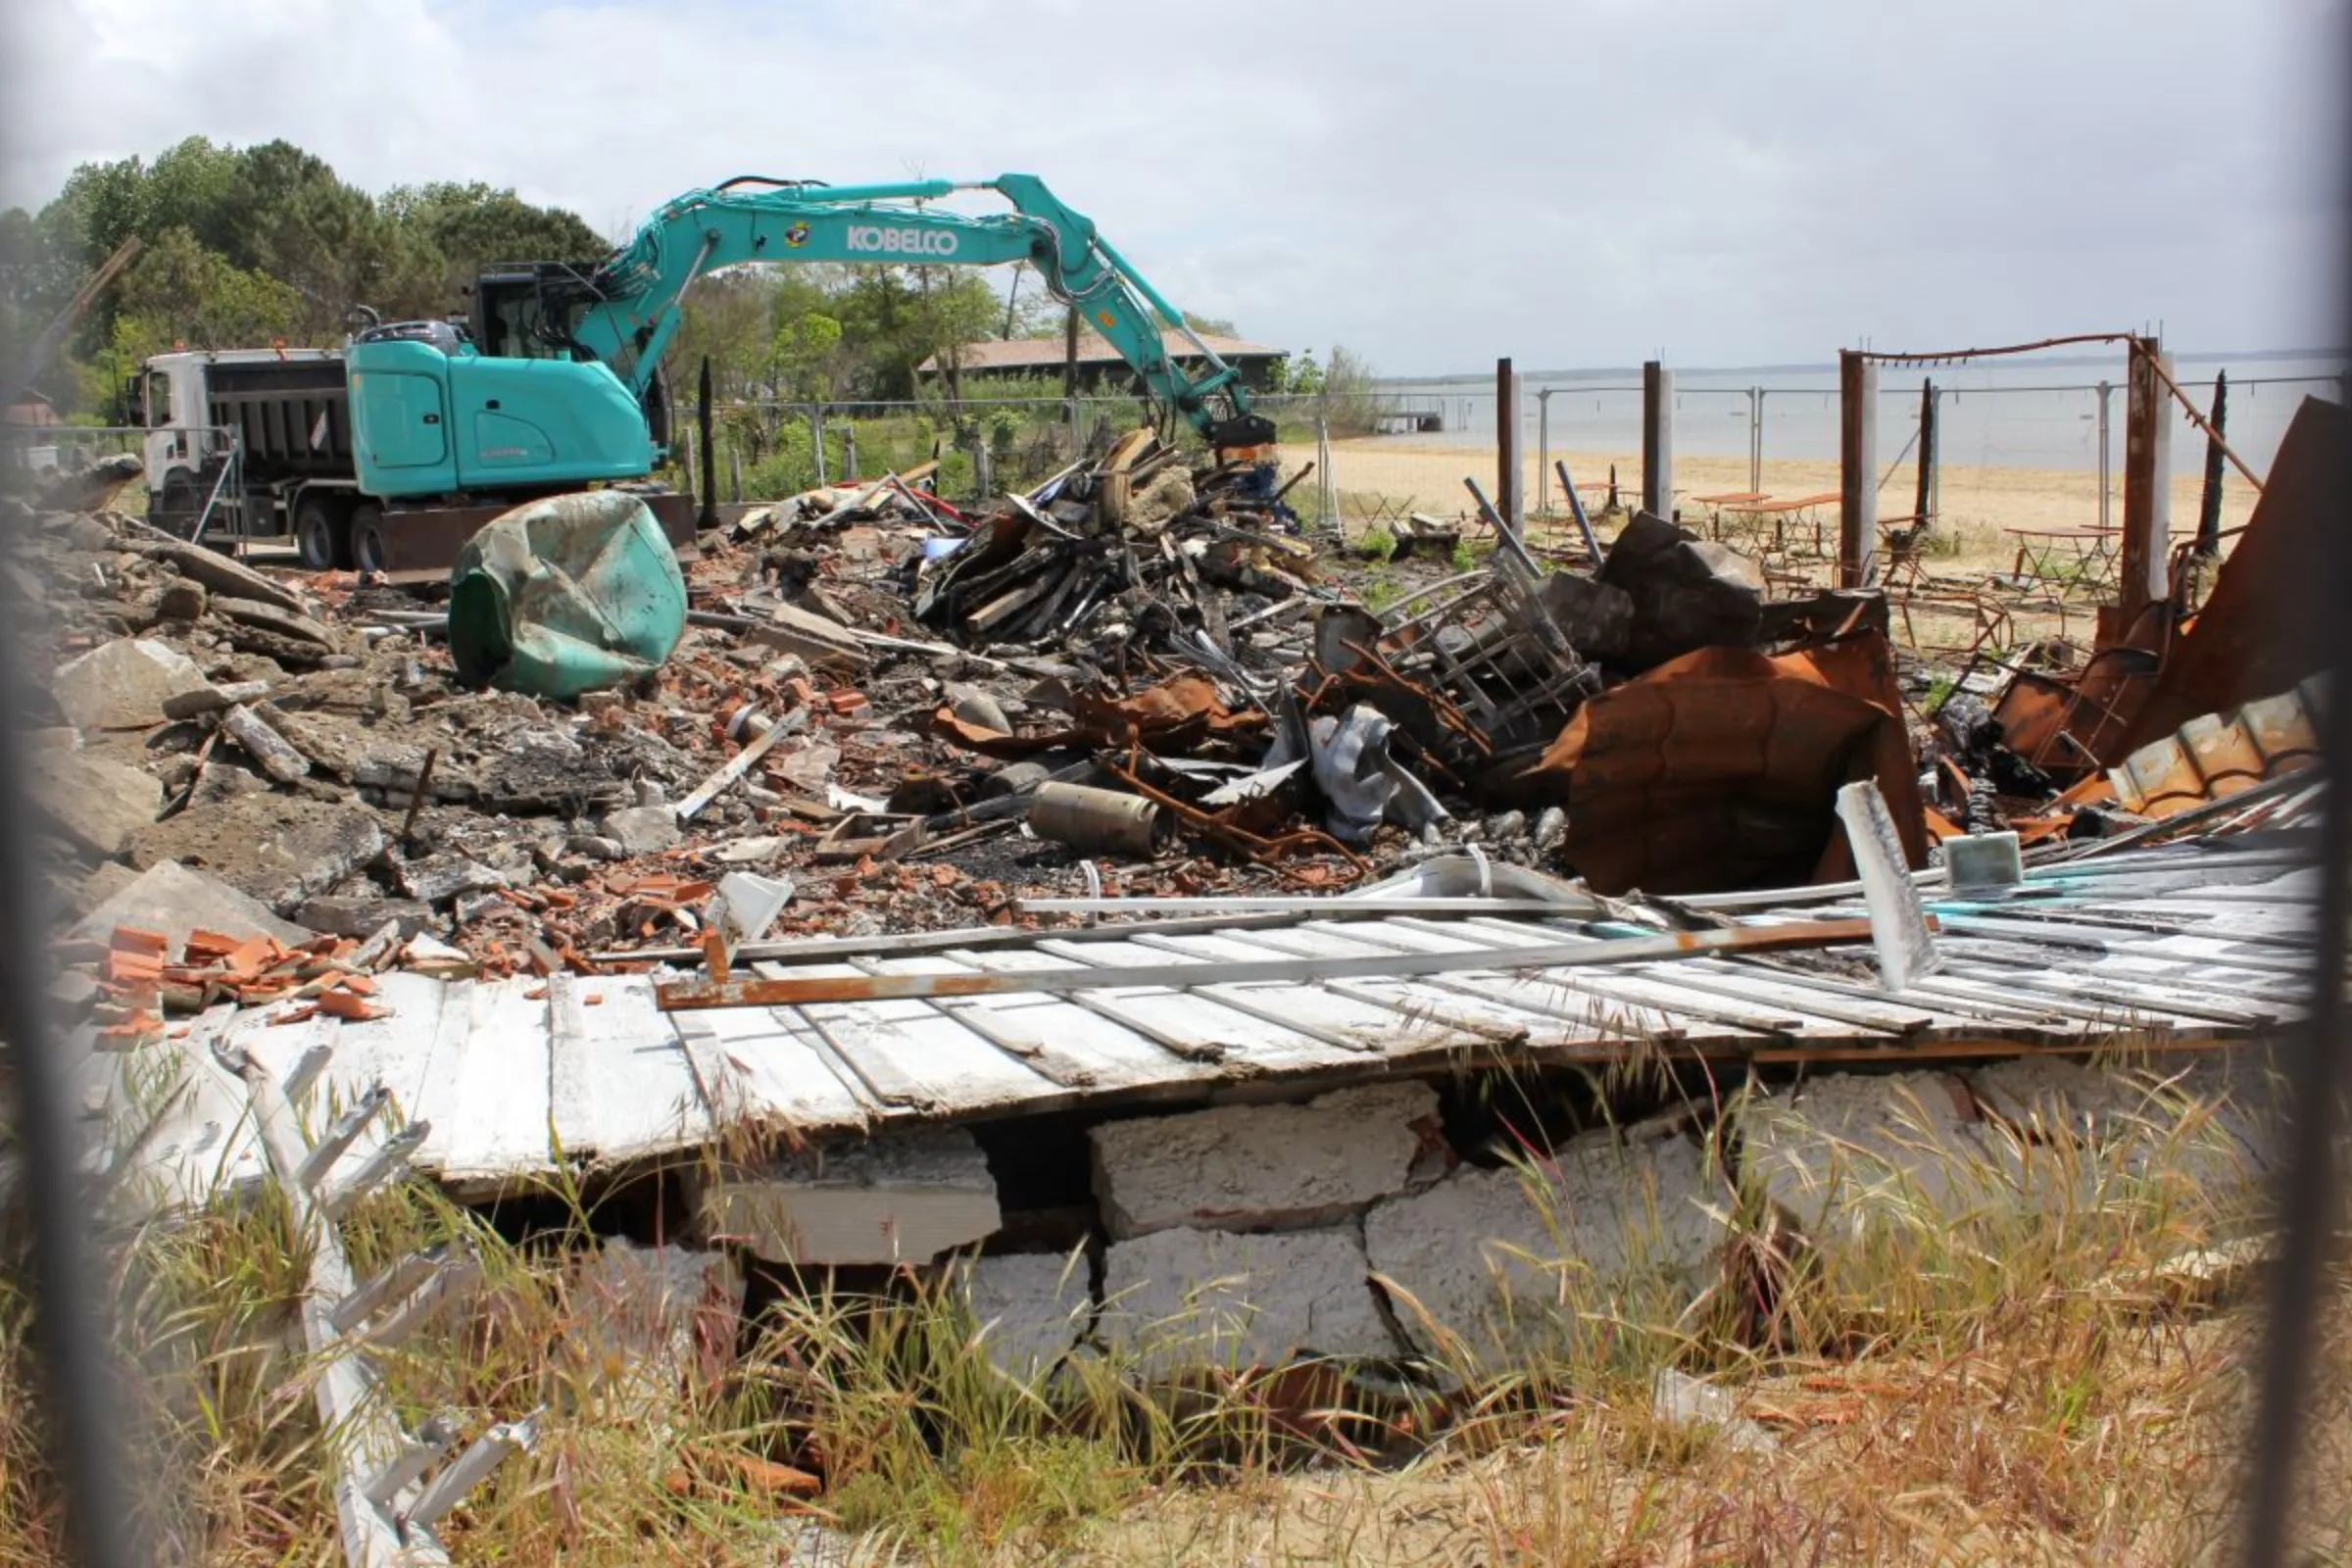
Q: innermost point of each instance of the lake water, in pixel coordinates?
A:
(2022, 412)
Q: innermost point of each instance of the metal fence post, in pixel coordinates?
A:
(2147, 486)
(1510, 500)
(1857, 467)
(816, 442)
(1657, 440)
(2106, 470)
(1543, 451)
(1756, 440)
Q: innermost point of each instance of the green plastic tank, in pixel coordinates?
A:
(575, 593)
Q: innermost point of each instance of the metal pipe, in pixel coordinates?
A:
(1100, 821)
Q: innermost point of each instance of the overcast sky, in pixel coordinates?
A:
(1568, 182)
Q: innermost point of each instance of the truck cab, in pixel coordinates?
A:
(277, 412)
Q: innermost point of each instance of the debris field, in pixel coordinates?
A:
(1095, 873)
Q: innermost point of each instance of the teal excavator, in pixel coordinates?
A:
(557, 386)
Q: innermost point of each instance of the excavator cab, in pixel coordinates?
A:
(525, 310)
(434, 415)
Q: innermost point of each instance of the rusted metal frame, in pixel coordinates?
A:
(814, 990)
(1450, 715)
(2196, 416)
(2146, 542)
(1857, 469)
(1263, 850)
(1956, 354)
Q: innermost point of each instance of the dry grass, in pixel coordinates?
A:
(1965, 1380)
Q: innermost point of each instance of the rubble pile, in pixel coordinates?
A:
(879, 711)
(914, 714)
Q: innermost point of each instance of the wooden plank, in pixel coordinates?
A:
(618, 1084)
(1532, 1006)
(915, 1058)
(755, 1068)
(1325, 1015)
(1066, 1045)
(498, 1114)
(2155, 998)
(1664, 1012)
(1654, 985)
(205, 1142)
(920, 1060)
(438, 1076)
(1208, 1015)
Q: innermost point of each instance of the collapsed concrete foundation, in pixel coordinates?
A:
(1349, 1228)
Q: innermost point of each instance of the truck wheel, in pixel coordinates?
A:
(178, 507)
(368, 553)
(322, 534)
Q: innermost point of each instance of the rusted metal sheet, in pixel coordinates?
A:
(2259, 631)
(1178, 716)
(2220, 754)
(1721, 770)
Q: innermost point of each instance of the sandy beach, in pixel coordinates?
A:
(1964, 596)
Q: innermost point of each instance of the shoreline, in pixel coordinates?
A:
(1375, 474)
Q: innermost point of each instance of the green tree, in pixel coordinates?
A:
(180, 293)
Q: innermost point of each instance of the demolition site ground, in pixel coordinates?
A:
(723, 1116)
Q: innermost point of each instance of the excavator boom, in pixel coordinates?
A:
(571, 352)
(634, 301)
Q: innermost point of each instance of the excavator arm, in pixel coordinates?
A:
(564, 391)
(624, 314)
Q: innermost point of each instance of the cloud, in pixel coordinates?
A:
(1585, 181)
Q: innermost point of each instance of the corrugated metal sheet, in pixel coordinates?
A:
(2204, 942)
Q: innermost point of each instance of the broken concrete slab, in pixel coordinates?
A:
(210, 699)
(1686, 592)
(271, 751)
(99, 803)
(901, 1197)
(183, 599)
(274, 619)
(1262, 1167)
(1504, 1259)
(175, 900)
(1598, 617)
(361, 918)
(2241, 1093)
(650, 1320)
(103, 883)
(644, 829)
(825, 643)
(1182, 1299)
(222, 575)
(2064, 1126)
(281, 849)
(439, 878)
(2058, 1097)
(123, 684)
(1030, 1308)
(1853, 1157)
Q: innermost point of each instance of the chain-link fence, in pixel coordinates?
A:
(191, 478)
